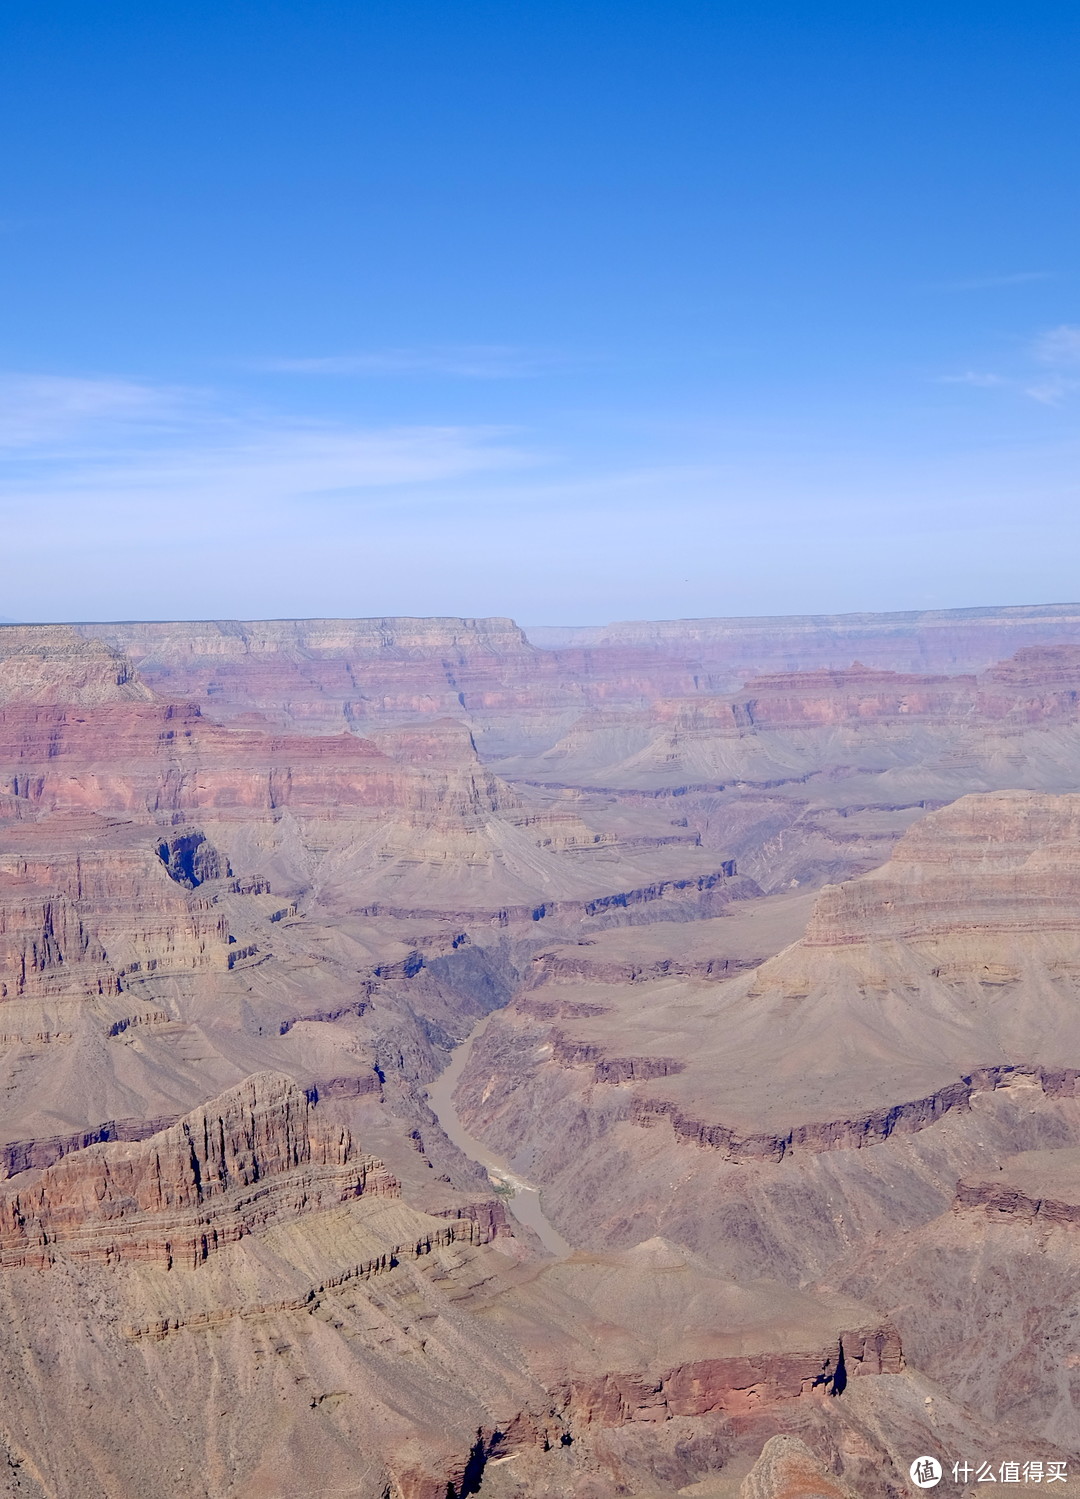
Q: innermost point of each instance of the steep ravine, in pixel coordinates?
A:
(524, 1202)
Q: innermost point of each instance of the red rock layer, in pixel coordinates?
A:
(253, 1157)
(386, 668)
(150, 758)
(733, 1386)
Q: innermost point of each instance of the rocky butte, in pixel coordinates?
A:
(439, 1058)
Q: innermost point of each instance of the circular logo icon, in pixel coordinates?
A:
(925, 1472)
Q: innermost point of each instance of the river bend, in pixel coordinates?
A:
(524, 1201)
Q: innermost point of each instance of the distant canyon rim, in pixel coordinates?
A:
(752, 947)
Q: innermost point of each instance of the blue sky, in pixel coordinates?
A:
(572, 312)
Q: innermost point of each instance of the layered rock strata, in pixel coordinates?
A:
(734, 1386)
(779, 1149)
(985, 1293)
(1038, 1187)
(951, 640)
(33, 656)
(899, 1023)
(255, 1156)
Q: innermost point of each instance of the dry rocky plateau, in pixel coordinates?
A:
(442, 1059)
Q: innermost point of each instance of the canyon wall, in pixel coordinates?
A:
(768, 933)
(952, 640)
(254, 1157)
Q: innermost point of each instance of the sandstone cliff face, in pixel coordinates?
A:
(253, 1157)
(396, 638)
(319, 672)
(995, 1198)
(568, 965)
(45, 949)
(422, 831)
(735, 1386)
(322, 675)
(1039, 1186)
(90, 909)
(34, 658)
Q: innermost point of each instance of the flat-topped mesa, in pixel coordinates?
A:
(325, 674)
(815, 699)
(399, 637)
(1033, 666)
(54, 664)
(255, 1156)
(1037, 684)
(952, 640)
(1001, 862)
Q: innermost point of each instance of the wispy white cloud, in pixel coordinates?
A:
(114, 458)
(133, 500)
(1060, 345)
(39, 410)
(466, 361)
(989, 283)
(1050, 392)
(1055, 349)
(1058, 348)
(973, 377)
